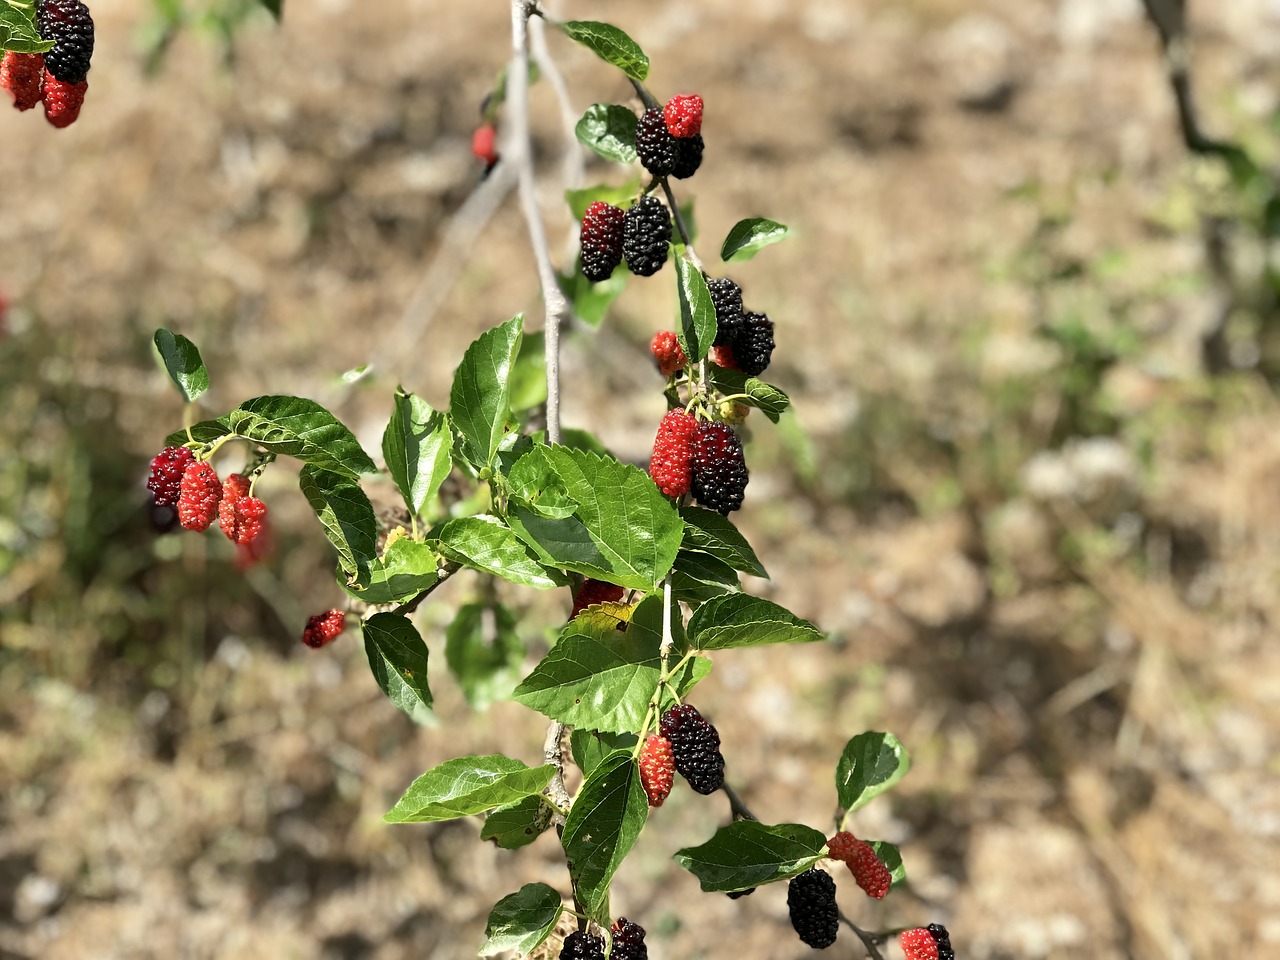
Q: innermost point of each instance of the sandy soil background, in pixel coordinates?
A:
(1042, 536)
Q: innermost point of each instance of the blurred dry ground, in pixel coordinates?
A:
(1043, 538)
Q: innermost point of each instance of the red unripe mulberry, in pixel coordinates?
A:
(671, 464)
(199, 496)
(323, 628)
(657, 769)
(20, 74)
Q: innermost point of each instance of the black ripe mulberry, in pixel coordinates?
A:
(811, 901)
(582, 946)
(727, 299)
(753, 345)
(719, 468)
(68, 24)
(695, 745)
(601, 240)
(943, 939)
(628, 941)
(688, 157)
(658, 150)
(645, 236)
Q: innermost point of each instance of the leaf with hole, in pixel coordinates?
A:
(602, 827)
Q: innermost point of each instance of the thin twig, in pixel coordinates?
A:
(685, 235)
(519, 152)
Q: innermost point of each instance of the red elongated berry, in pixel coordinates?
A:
(165, 479)
(628, 941)
(484, 144)
(198, 496)
(323, 628)
(602, 229)
(666, 349)
(657, 769)
(20, 74)
(671, 464)
(860, 857)
(62, 101)
(723, 356)
(683, 115)
(918, 944)
(595, 591)
(68, 24)
(719, 468)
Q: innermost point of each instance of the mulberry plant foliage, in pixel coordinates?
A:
(650, 559)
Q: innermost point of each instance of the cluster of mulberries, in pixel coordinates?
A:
(666, 349)
(592, 592)
(56, 78)
(323, 628)
(744, 340)
(927, 943)
(695, 747)
(699, 456)
(178, 480)
(811, 902)
(868, 870)
(668, 140)
(628, 941)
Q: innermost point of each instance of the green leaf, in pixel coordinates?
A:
(182, 360)
(697, 311)
(405, 569)
(603, 825)
(749, 854)
(529, 375)
(609, 130)
(206, 431)
(715, 534)
(744, 621)
(621, 196)
(18, 29)
(522, 921)
(485, 543)
(466, 786)
(870, 764)
(589, 747)
(749, 237)
(891, 858)
(765, 397)
(347, 517)
(623, 529)
(611, 45)
(398, 659)
(698, 576)
(483, 652)
(479, 402)
(517, 824)
(418, 448)
(602, 678)
(301, 428)
(591, 301)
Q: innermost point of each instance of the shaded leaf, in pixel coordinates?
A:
(749, 237)
(483, 652)
(418, 448)
(870, 764)
(522, 921)
(715, 534)
(479, 402)
(529, 375)
(466, 786)
(698, 576)
(603, 825)
(745, 621)
(182, 361)
(747, 854)
(589, 747)
(610, 44)
(517, 824)
(347, 517)
(609, 130)
(398, 659)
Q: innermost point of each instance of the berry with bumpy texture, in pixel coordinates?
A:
(722, 356)
(683, 114)
(659, 152)
(628, 941)
(20, 74)
(753, 346)
(165, 479)
(719, 468)
(695, 747)
(726, 297)
(62, 101)
(582, 946)
(68, 24)
(323, 628)
(657, 766)
(666, 349)
(595, 591)
(198, 496)
(860, 857)
(671, 464)
(943, 939)
(646, 234)
(243, 518)
(688, 157)
(918, 944)
(602, 226)
(811, 902)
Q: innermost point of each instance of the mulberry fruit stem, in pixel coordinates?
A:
(668, 639)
